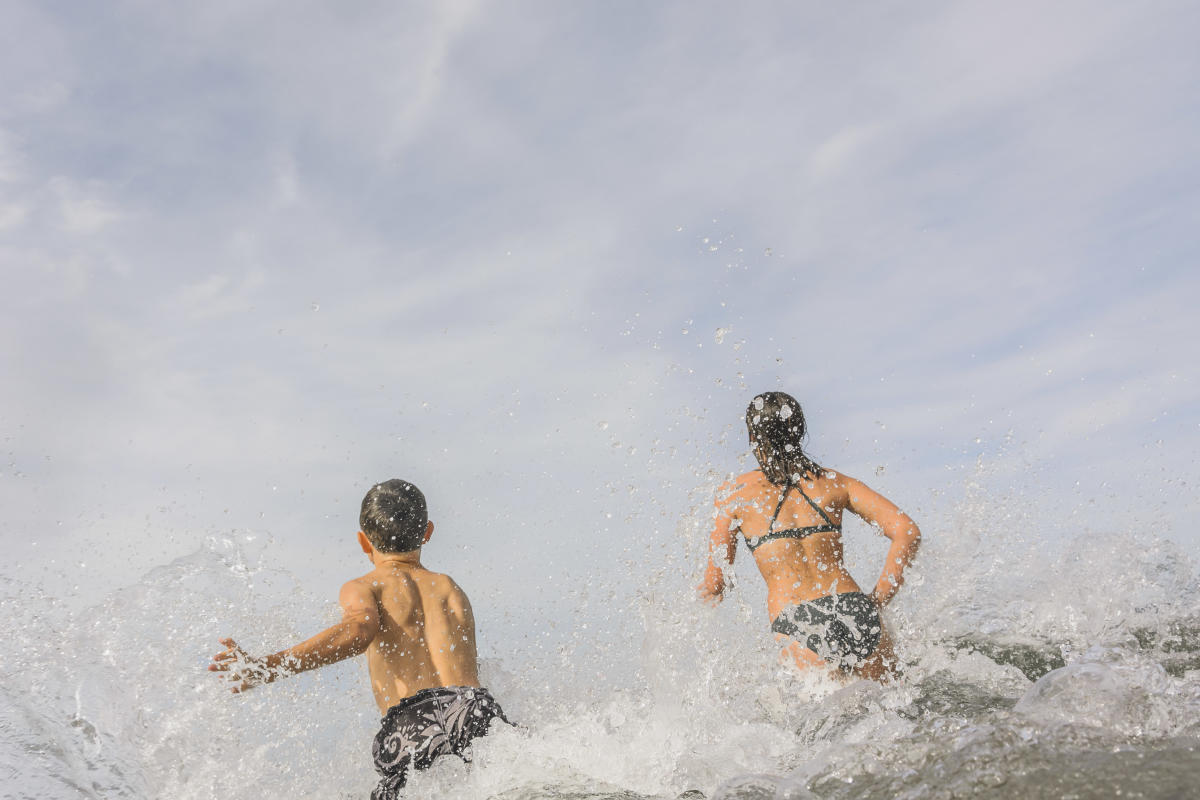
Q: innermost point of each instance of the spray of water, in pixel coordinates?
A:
(1031, 670)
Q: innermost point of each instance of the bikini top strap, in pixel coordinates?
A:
(816, 508)
(778, 507)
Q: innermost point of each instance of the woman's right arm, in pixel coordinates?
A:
(877, 510)
(722, 547)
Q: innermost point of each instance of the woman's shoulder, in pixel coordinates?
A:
(740, 483)
(838, 482)
(832, 476)
(752, 478)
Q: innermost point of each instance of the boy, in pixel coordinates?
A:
(418, 632)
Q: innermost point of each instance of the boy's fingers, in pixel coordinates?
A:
(231, 650)
(224, 660)
(227, 661)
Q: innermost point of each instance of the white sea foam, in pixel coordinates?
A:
(1031, 670)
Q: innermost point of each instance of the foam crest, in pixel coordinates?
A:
(1018, 671)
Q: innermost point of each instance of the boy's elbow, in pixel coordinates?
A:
(361, 633)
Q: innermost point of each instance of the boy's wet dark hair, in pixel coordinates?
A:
(394, 516)
(776, 424)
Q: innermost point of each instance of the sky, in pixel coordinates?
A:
(537, 257)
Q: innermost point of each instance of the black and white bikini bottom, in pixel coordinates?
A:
(844, 629)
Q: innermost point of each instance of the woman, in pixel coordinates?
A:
(790, 514)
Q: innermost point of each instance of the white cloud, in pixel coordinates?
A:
(835, 151)
(482, 205)
(12, 161)
(414, 104)
(287, 179)
(218, 295)
(12, 215)
(83, 207)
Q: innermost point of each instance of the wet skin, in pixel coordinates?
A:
(415, 626)
(800, 570)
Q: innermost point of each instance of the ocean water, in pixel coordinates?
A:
(1032, 669)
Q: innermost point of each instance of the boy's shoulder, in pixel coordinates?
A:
(436, 580)
(422, 579)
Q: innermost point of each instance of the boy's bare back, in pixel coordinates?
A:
(426, 634)
(418, 633)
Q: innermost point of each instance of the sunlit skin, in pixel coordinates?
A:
(800, 570)
(415, 626)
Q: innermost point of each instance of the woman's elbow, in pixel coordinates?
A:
(904, 531)
(912, 536)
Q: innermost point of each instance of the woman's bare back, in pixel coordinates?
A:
(796, 569)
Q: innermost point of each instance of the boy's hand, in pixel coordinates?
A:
(240, 667)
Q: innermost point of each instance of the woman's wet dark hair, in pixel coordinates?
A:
(776, 425)
(394, 516)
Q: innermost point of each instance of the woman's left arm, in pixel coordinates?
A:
(877, 510)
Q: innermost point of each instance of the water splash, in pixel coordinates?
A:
(1020, 680)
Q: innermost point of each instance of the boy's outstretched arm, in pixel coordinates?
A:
(351, 636)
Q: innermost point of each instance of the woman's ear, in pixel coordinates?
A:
(428, 531)
(365, 544)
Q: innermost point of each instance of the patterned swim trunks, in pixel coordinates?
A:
(427, 725)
